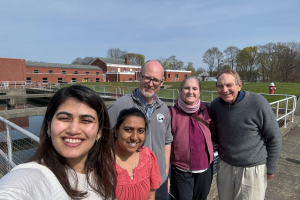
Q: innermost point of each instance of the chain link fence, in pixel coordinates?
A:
(16, 145)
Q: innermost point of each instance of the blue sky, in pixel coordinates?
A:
(58, 31)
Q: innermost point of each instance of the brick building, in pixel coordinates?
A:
(60, 73)
(100, 70)
(176, 75)
(12, 69)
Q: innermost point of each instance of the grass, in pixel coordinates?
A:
(258, 87)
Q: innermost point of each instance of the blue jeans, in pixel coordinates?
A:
(190, 186)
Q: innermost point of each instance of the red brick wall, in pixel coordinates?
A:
(57, 73)
(12, 69)
(171, 76)
(121, 77)
(101, 64)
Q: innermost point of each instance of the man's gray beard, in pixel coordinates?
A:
(147, 94)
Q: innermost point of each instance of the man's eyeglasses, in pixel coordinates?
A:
(155, 81)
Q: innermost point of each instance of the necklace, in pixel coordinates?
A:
(134, 167)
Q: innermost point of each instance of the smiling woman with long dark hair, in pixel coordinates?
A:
(75, 157)
(137, 167)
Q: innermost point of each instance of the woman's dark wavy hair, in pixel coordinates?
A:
(101, 157)
(124, 114)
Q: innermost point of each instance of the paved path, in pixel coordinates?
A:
(286, 182)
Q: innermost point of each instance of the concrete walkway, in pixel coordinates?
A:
(286, 182)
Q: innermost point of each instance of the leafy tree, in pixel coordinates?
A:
(246, 63)
(173, 63)
(190, 67)
(139, 58)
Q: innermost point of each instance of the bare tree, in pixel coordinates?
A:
(199, 71)
(231, 54)
(288, 57)
(219, 58)
(83, 61)
(116, 53)
(209, 59)
(77, 61)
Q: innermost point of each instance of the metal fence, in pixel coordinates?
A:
(18, 145)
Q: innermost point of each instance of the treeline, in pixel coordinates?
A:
(168, 63)
(272, 62)
(115, 53)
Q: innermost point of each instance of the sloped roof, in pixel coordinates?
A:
(116, 61)
(203, 74)
(58, 65)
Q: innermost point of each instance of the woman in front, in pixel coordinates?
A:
(75, 157)
(192, 150)
(137, 167)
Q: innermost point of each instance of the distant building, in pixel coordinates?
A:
(100, 70)
(176, 75)
(211, 79)
(202, 76)
(62, 73)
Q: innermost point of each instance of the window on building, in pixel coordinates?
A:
(75, 72)
(87, 73)
(112, 69)
(97, 80)
(36, 71)
(50, 71)
(169, 75)
(185, 76)
(45, 80)
(59, 80)
(130, 79)
(73, 79)
(28, 79)
(124, 70)
(176, 75)
(97, 73)
(64, 72)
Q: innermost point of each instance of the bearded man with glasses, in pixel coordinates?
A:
(158, 132)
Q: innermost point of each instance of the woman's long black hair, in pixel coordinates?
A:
(101, 157)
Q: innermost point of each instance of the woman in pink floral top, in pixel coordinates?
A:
(137, 168)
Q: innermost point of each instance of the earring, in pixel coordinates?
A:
(48, 133)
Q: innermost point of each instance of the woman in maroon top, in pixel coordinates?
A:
(138, 173)
(192, 149)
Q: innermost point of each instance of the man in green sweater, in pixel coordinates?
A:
(249, 140)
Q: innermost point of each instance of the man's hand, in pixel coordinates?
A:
(270, 177)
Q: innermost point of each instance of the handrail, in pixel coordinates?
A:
(25, 132)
